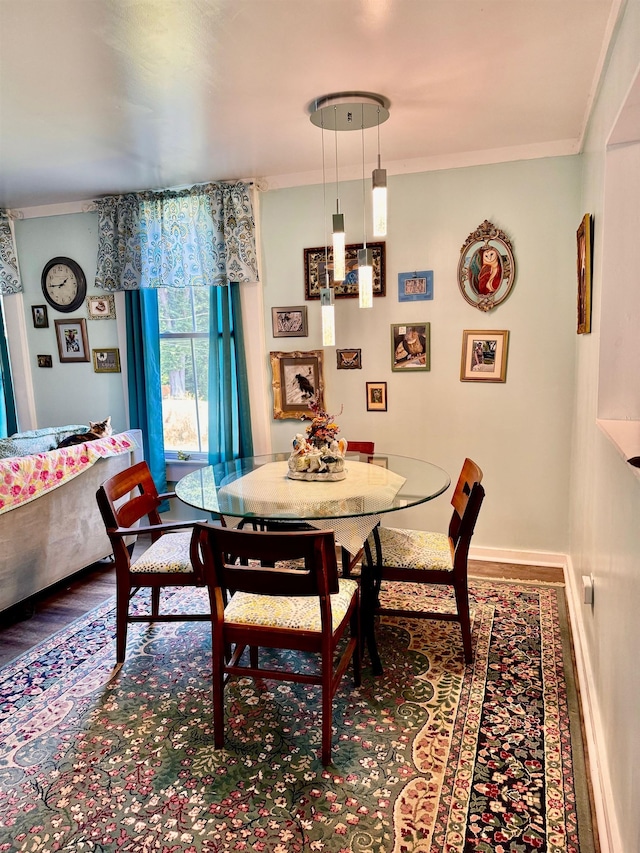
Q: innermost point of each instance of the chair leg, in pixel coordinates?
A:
(327, 709)
(462, 601)
(122, 613)
(355, 632)
(155, 600)
(218, 698)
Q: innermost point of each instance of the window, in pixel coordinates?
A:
(184, 367)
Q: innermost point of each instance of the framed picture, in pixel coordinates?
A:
(102, 307)
(317, 262)
(410, 346)
(106, 360)
(484, 356)
(376, 396)
(487, 267)
(585, 259)
(72, 340)
(297, 379)
(415, 286)
(45, 361)
(40, 316)
(349, 359)
(289, 322)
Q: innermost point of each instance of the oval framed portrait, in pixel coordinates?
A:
(487, 267)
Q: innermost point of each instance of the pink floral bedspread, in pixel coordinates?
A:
(25, 478)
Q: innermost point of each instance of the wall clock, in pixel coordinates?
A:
(63, 284)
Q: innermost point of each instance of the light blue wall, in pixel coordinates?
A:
(518, 432)
(605, 502)
(67, 393)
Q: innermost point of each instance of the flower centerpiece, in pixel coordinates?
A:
(320, 454)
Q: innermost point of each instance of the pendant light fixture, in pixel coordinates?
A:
(365, 256)
(353, 111)
(327, 309)
(379, 195)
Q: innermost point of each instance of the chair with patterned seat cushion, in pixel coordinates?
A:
(416, 556)
(124, 500)
(285, 593)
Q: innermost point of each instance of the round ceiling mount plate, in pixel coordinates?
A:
(349, 110)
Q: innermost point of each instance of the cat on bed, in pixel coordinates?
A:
(101, 429)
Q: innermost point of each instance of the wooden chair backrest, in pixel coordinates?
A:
(466, 501)
(361, 446)
(223, 555)
(144, 502)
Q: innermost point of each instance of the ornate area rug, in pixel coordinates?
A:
(429, 757)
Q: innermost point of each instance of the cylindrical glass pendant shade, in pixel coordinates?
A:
(365, 278)
(328, 316)
(379, 186)
(338, 247)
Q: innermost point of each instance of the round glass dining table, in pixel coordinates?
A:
(257, 488)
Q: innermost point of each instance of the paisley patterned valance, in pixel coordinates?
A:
(204, 235)
(9, 276)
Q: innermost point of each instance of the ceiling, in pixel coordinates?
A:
(107, 96)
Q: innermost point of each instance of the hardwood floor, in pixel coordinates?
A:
(26, 625)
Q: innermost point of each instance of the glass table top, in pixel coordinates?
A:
(258, 487)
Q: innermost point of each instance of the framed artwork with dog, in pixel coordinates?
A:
(297, 380)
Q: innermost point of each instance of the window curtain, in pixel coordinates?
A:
(229, 414)
(203, 236)
(9, 283)
(143, 378)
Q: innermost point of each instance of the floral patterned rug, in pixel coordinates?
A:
(429, 757)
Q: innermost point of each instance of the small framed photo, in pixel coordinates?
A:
(106, 360)
(318, 262)
(297, 379)
(349, 359)
(410, 346)
(72, 340)
(289, 322)
(415, 286)
(102, 307)
(585, 243)
(40, 316)
(484, 356)
(45, 361)
(376, 396)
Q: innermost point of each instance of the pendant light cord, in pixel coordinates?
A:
(364, 194)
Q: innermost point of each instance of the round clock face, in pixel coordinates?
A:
(63, 284)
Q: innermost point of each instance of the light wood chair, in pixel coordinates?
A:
(285, 594)
(124, 500)
(415, 556)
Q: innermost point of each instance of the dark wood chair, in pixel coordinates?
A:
(124, 500)
(286, 594)
(415, 556)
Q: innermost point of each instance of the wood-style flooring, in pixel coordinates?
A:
(26, 625)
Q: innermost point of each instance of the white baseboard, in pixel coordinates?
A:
(603, 800)
(525, 558)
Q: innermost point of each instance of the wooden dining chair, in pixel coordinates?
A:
(365, 447)
(415, 556)
(124, 500)
(285, 594)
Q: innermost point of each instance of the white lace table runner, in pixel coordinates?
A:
(268, 491)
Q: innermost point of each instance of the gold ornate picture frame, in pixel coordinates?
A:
(584, 240)
(297, 379)
(487, 267)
